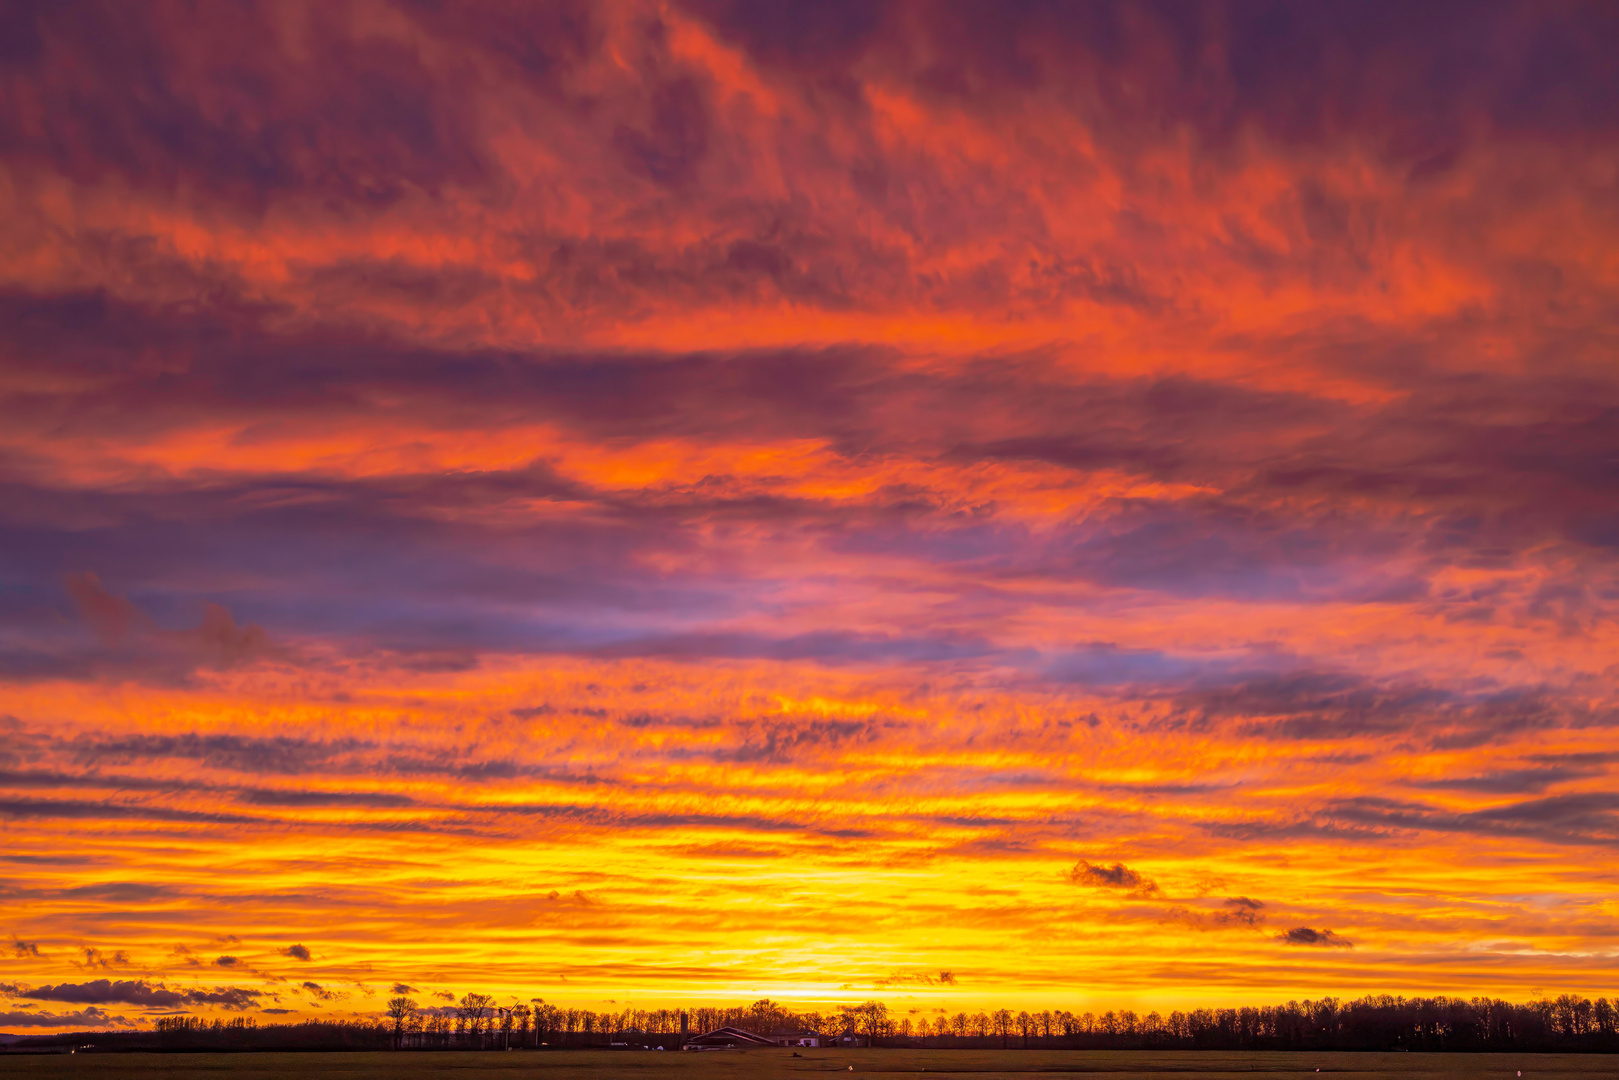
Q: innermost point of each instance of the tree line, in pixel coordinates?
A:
(481, 1021)
(1567, 1022)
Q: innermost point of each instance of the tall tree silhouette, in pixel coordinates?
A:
(475, 1010)
(401, 1010)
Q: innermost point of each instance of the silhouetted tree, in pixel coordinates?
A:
(869, 1018)
(765, 1016)
(413, 1028)
(1567, 1023)
(520, 1019)
(401, 1010)
(506, 1023)
(476, 1011)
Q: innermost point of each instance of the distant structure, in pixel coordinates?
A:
(795, 1038)
(728, 1038)
(735, 1038)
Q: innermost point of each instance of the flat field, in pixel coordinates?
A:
(781, 1065)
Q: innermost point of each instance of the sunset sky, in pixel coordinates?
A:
(676, 503)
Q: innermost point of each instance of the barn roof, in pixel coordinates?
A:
(728, 1036)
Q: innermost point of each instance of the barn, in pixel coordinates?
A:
(727, 1038)
(795, 1038)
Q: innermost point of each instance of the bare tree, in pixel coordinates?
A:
(505, 1028)
(520, 1015)
(1003, 1024)
(401, 1010)
(413, 1029)
(869, 1018)
(1568, 1022)
(765, 1016)
(475, 1010)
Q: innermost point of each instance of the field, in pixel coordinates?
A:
(774, 1064)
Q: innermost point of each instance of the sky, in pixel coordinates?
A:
(1065, 505)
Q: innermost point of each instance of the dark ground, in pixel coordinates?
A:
(881, 1064)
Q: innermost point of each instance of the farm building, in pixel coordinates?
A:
(727, 1038)
(795, 1038)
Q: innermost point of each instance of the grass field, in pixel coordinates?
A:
(772, 1064)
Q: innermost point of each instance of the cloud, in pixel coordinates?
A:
(1588, 819)
(1523, 781)
(226, 961)
(404, 988)
(1303, 935)
(132, 641)
(230, 998)
(916, 978)
(1118, 876)
(241, 753)
(19, 947)
(1243, 910)
(262, 797)
(104, 991)
(297, 952)
(84, 1019)
(140, 992)
(111, 617)
(95, 958)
